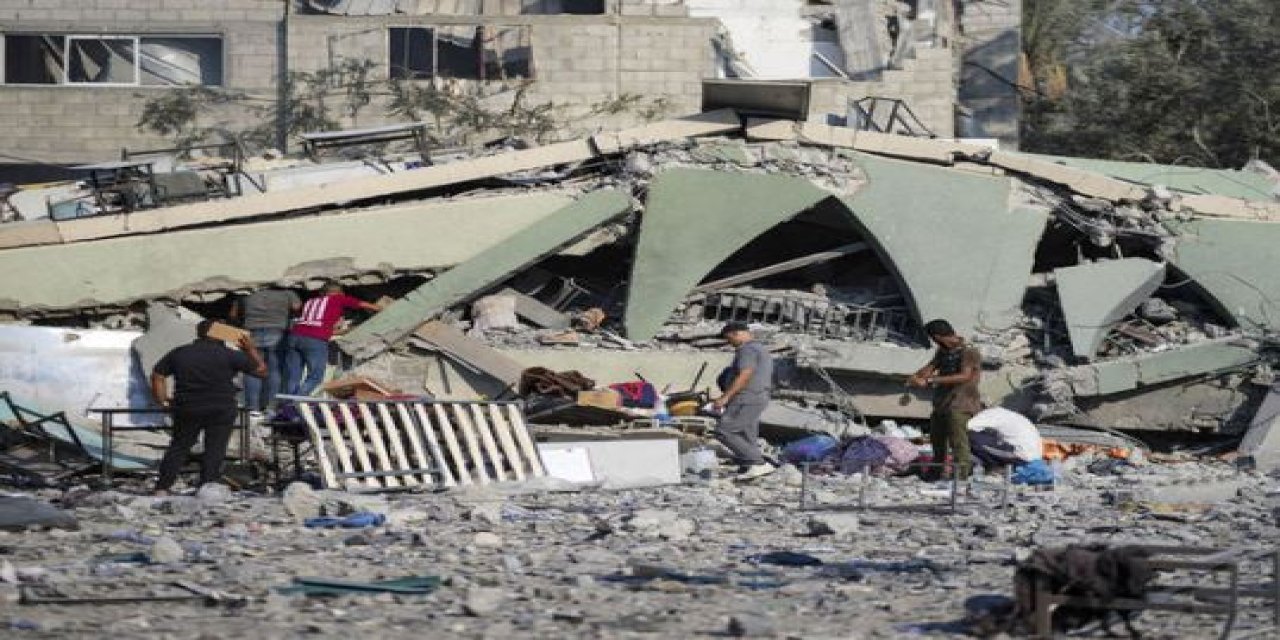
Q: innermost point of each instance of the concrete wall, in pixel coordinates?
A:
(579, 60)
(926, 82)
(773, 37)
(75, 124)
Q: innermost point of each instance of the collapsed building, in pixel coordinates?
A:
(1102, 294)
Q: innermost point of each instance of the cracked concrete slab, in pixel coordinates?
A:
(958, 248)
(1097, 295)
(403, 238)
(694, 220)
(485, 269)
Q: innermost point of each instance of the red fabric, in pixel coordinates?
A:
(319, 315)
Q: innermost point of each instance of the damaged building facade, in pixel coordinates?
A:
(1102, 294)
(94, 67)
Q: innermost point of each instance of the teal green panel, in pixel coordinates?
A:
(484, 270)
(1236, 263)
(1097, 295)
(1222, 182)
(694, 220)
(951, 238)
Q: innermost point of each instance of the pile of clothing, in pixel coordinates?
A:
(877, 454)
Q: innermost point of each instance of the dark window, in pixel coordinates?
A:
(412, 53)
(463, 52)
(33, 59)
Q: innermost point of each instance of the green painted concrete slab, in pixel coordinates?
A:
(1223, 182)
(403, 237)
(1235, 262)
(1097, 295)
(694, 219)
(1119, 376)
(483, 270)
(951, 238)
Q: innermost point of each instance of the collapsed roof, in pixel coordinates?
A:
(1084, 281)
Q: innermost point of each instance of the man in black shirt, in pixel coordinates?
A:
(204, 400)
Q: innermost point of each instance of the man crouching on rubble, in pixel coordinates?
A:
(745, 398)
(204, 400)
(953, 373)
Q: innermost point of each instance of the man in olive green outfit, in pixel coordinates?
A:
(953, 373)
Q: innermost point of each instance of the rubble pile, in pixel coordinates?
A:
(704, 558)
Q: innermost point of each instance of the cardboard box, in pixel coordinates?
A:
(226, 333)
(359, 387)
(603, 398)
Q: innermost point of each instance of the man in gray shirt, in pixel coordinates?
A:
(746, 394)
(265, 314)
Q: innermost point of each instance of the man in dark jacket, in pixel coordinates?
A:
(204, 400)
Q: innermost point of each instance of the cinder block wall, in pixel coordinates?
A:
(578, 60)
(77, 124)
(926, 82)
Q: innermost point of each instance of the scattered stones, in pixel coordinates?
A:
(166, 550)
(488, 540)
(656, 523)
(301, 501)
(751, 625)
(213, 494)
(837, 524)
(484, 601)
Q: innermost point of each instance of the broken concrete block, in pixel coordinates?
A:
(535, 312)
(1097, 295)
(834, 524)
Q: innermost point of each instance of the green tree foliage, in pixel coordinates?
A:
(1193, 82)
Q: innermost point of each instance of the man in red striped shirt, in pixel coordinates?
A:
(309, 337)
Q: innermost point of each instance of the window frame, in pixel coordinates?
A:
(66, 57)
(136, 37)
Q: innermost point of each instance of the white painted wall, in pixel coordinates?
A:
(772, 36)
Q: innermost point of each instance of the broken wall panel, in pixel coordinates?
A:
(1097, 295)
(484, 270)
(1210, 357)
(404, 237)
(693, 221)
(958, 249)
(1234, 262)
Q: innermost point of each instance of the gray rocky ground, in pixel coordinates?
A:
(680, 561)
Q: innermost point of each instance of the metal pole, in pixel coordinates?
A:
(244, 436)
(107, 456)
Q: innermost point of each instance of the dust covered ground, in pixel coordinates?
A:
(680, 561)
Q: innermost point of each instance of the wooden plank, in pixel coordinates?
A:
(379, 445)
(473, 442)
(322, 452)
(451, 440)
(782, 267)
(526, 444)
(397, 445)
(471, 352)
(433, 445)
(481, 424)
(357, 442)
(414, 430)
(503, 428)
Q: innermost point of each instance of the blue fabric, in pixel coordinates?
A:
(1034, 472)
(353, 521)
(258, 393)
(311, 353)
(811, 449)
